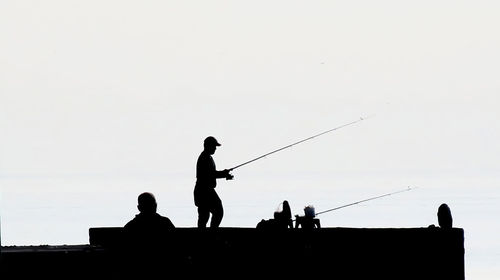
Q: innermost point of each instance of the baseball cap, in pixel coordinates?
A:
(210, 140)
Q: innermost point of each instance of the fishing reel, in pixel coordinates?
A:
(229, 176)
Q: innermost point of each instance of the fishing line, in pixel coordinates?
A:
(368, 199)
(301, 141)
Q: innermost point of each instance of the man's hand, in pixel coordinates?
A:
(227, 174)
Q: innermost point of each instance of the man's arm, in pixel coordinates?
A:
(224, 174)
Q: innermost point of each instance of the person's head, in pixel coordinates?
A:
(146, 203)
(445, 219)
(210, 144)
(309, 211)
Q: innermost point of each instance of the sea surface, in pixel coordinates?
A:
(57, 210)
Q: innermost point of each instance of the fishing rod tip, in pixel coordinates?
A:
(366, 117)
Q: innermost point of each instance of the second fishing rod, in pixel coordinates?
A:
(296, 143)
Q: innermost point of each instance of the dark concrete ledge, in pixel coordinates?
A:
(335, 253)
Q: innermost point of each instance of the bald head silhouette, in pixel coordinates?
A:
(146, 203)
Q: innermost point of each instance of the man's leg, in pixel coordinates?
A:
(217, 213)
(203, 216)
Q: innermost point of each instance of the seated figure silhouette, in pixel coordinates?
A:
(309, 220)
(147, 245)
(147, 227)
(282, 219)
(445, 220)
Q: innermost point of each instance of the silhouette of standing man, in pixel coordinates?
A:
(205, 196)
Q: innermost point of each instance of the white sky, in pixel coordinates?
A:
(104, 86)
(131, 88)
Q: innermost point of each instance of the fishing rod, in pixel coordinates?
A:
(298, 142)
(364, 200)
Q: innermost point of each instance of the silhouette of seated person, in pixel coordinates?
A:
(445, 220)
(282, 219)
(146, 244)
(147, 228)
(308, 221)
